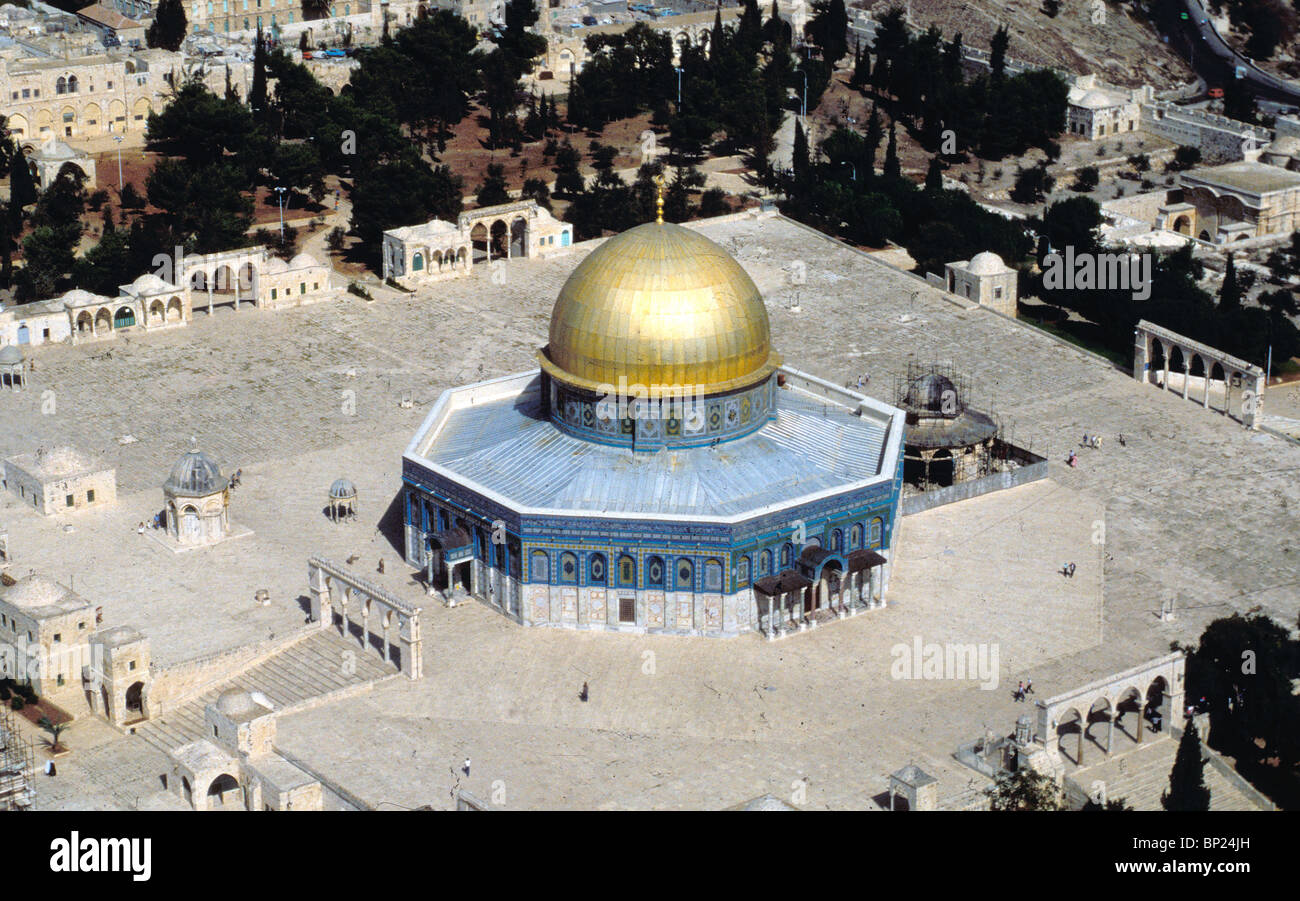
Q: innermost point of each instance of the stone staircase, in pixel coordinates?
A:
(1141, 775)
(302, 675)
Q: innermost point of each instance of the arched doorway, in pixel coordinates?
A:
(124, 318)
(135, 701)
(191, 529)
(500, 234)
(1129, 703)
(103, 322)
(224, 793)
(478, 239)
(1183, 225)
(1069, 731)
(519, 237)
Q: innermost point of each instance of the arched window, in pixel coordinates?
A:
(712, 575)
(539, 567)
(569, 567)
(685, 575)
(837, 540)
(787, 554)
(742, 572)
(417, 262)
(596, 571)
(61, 86)
(765, 563)
(72, 84)
(626, 572)
(124, 318)
(855, 536)
(877, 528)
(654, 572)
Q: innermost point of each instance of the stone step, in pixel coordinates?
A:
(318, 665)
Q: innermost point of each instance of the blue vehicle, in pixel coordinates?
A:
(335, 53)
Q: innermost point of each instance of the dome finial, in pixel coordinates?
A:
(659, 199)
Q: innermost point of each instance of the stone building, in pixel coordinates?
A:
(50, 158)
(1095, 111)
(45, 632)
(197, 501)
(60, 480)
(1234, 202)
(985, 279)
(437, 250)
(118, 678)
(236, 766)
(662, 471)
(110, 92)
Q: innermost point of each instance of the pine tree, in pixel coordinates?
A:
(1230, 293)
(22, 188)
(893, 169)
(1187, 789)
(169, 26)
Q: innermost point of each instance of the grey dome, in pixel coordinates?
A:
(10, 354)
(342, 489)
(926, 395)
(194, 475)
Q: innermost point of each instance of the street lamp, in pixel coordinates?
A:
(280, 191)
(679, 86)
(804, 108)
(118, 140)
(851, 166)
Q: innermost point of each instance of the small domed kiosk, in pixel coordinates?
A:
(197, 500)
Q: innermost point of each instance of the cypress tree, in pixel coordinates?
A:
(934, 177)
(1187, 789)
(169, 26)
(875, 134)
(257, 92)
(1230, 293)
(799, 156)
(893, 169)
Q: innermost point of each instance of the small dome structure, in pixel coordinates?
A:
(986, 262)
(932, 394)
(343, 500)
(343, 489)
(10, 354)
(195, 475)
(236, 703)
(35, 591)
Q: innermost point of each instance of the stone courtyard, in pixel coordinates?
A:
(1194, 508)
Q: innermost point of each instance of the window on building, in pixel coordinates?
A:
(596, 572)
(68, 501)
(81, 626)
(273, 294)
(302, 287)
(877, 528)
(742, 572)
(131, 665)
(685, 575)
(58, 637)
(654, 572)
(539, 567)
(713, 575)
(627, 610)
(997, 293)
(626, 572)
(569, 567)
(90, 496)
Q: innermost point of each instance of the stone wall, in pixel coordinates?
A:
(1217, 137)
(1031, 472)
(178, 683)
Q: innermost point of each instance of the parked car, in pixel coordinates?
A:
(588, 20)
(335, 53)
(306, 54)
(1215, 93)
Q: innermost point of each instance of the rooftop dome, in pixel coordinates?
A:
(10, 354)
(342, 489)
(659, 305)
(236, 703)
(986, 263)
(35, 591)
(195, 474)
(927, 395)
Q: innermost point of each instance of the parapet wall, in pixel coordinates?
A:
(176, 684)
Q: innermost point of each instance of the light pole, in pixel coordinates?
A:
(851, 166)
(280, 191)
(679, 86)
(804, 107)
(118, 140)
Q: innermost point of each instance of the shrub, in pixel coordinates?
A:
(16, 703)
(334, 240)
(354, 288)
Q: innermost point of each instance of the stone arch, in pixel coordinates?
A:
(134, 700)
(141, 109)
(479, 238)
(222, 790)
(1205, 236)
(435, 261)
(1099, 711)
(85, 323)
(199, 280)
(225, 280)
(157, 313)
(1070, 722)
(175, 310)
(1183, 225)
(18, 126)
(1129, 701)
(92, 115)
(519, 237)
(116, 114)
(500, 232)
(103, 321)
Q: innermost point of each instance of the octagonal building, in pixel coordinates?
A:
(662, 470)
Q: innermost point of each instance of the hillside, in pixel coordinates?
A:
(1125, 50)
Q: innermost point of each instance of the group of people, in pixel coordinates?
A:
(1092, 441)
(1068, 570)
(1023, 688)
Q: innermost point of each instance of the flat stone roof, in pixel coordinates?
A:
(1245, 176)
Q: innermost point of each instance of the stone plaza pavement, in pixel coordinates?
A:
(1195, 508)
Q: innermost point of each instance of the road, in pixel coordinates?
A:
(1224, 60)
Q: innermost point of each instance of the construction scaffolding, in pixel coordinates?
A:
(17, 767)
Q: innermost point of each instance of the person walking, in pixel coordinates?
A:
(1029, 687)
(1071, 569)
(465, 768)
(583, 695)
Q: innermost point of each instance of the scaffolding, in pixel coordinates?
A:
(17, 767)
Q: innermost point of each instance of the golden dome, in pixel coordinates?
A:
(659, 305)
